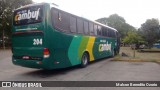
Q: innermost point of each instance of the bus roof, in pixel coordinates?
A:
(28, 5)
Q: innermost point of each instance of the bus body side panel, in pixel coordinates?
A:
(103, 47)
(58, 46)
(67, 49)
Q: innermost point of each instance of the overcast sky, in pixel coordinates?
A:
(135, 12)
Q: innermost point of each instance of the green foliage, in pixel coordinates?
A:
(150, 31)
(118, 23)
(6, 11)
(133, 38)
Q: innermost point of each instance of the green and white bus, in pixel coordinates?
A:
(46, 37)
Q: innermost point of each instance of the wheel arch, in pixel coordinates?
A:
(86, 51)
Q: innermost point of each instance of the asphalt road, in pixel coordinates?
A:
(102, 70)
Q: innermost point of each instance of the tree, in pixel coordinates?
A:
(132, 38)
(118, 23)
(112, 20)
(6, 11)
(150, 31)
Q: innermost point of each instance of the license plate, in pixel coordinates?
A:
(25, 57)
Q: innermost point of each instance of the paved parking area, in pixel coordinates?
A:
(103, 70)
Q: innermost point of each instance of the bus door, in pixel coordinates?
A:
(118, 42)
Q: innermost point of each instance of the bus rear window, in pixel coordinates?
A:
(28, 15)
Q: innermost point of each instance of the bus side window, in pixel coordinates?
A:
(112, 34)
(103, 31)
(55, 20)
(80, 25)
(109, 33)
(73, 26)
(65, 21)
(86, 27)
(95, 29)
(99, 30)
(107, 29)
(106, 32)
(60, 20)
(91, 28)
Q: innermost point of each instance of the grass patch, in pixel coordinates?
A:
(139, 57)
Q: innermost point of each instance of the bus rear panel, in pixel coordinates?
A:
(28, 37)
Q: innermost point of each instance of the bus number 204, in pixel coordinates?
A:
(37, 41)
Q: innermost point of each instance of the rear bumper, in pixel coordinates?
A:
(32, 63)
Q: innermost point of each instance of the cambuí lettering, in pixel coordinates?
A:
(104, 47)
(27, 15)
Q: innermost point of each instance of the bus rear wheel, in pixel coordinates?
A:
(84, 60)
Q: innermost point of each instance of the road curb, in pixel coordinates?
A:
(136, 60)
(130, 60)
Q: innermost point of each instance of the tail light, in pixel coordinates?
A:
(46, 53)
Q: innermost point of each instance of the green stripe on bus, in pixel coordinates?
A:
(82, 46)
(73, 50)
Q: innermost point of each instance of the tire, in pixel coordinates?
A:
(84, 60)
